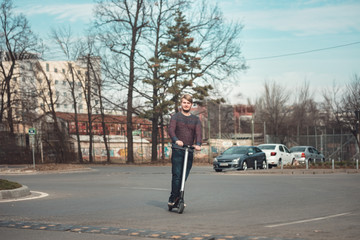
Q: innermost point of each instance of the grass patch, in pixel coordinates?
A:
(7, 185)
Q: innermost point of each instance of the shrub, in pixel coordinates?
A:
(7, 185)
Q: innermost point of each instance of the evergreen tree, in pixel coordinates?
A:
(180, 64)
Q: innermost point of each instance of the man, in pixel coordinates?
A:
(184, 129)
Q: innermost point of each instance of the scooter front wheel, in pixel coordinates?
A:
(181, 207)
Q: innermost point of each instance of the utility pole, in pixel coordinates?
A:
(208, 115)
(219, 120)
(265, 132)
(252, 130)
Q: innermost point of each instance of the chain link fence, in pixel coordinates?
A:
(339, 147)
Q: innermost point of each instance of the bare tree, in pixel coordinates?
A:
(48, 102)
(304, 112)
(273, 109)
(342, 106)
(17, 42)
(350, 103)
(121, 24)
(63, 38)
(220, 46)
(332, 106)
(161, 13)
(218, 54)
(98, 85)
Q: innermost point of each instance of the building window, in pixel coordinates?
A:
(55, 70)
(63, 70)
(64, 82)
(64, 94)
(79, 72)
(65, 105)
(47, 67)
(57, 93)
(56, 82)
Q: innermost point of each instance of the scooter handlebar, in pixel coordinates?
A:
(189, 146)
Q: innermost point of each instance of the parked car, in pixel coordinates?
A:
(240, 158)
(276, 154)
(303, 153)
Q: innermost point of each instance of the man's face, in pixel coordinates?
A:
(185, 105)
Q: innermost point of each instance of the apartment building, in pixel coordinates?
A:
(39, 86)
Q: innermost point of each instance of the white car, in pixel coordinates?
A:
(277, 154)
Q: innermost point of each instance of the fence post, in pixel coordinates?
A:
(255, 164)
(332, 163)
(282, 165)
(307, 163)
(357, 164)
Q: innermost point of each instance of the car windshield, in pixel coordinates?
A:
(267, 147)
(297, 149)
(235, 150)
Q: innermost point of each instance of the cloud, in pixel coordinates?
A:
(330, 19)
(63, 12)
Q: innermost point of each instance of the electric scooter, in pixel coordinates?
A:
(180, 204)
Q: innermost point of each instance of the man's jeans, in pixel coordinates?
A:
(177, 160)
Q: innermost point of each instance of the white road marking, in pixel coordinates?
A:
(140, 188)
(38, 195)
(308, 220)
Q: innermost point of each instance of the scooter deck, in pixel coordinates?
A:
(180, 205)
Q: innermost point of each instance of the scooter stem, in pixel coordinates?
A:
(184, 170)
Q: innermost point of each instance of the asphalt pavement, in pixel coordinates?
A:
(117, 202)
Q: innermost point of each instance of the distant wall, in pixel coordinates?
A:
(142, 150)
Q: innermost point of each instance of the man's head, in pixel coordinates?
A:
(186, 103)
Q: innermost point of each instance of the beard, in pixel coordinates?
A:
(186, 110)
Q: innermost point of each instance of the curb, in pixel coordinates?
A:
(15, 193)
(291, 172)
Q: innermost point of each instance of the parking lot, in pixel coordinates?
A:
(234, 204)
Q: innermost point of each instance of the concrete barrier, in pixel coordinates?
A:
(15, 193)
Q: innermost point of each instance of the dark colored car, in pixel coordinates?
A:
(240, 158)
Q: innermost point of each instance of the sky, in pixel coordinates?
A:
(286, 42)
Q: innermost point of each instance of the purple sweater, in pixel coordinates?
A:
(186, 129)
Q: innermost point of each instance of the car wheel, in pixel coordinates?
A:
(263, 165)
(218, 170)
(244, 166)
